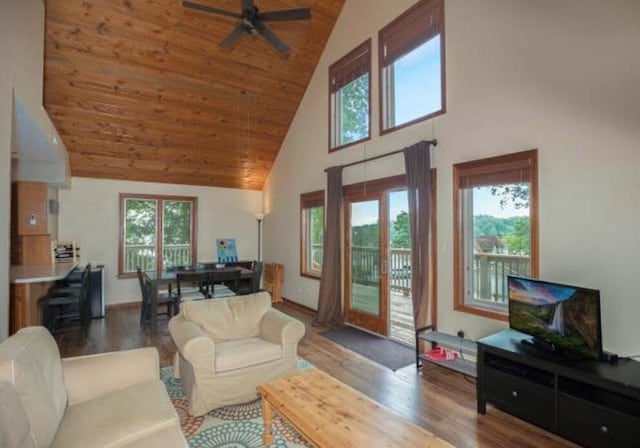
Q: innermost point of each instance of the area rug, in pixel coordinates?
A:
(378, 349)
(238, 426)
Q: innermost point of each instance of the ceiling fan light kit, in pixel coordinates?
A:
(252, 22)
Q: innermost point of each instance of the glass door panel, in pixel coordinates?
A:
(401, 325)
(365, 257)
(366, 291)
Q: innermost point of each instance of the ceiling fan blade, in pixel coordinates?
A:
(274, 40)
(286, 14)
(247, 5)
(211, 10)
(232, 37)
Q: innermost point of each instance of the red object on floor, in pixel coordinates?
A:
(441, 354)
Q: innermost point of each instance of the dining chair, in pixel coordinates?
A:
(192, 285)
(252, 285)
(224, 283)
(69, 307)
(165, 298)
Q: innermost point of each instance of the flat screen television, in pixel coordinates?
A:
(564, 318)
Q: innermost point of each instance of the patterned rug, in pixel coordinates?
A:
(238, 426)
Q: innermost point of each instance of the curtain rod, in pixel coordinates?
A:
(433, 142)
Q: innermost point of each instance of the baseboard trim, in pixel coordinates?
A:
(300, 306)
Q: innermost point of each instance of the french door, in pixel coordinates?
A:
(377, 269)
(366, 276)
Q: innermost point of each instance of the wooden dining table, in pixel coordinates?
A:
(169, 277)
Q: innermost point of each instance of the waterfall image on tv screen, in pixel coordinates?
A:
(566, 316)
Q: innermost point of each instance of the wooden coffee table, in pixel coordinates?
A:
(329, 413)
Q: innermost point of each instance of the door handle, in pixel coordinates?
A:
(384, 267)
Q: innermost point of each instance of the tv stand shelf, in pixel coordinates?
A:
(459, 345)
(591, 402)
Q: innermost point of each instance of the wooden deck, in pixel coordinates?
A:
(401, 326)
(401, 319)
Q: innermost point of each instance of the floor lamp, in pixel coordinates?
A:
(259, 218)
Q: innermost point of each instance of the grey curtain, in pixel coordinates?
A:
(330, 297)
(417, 159)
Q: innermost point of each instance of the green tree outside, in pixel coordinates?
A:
(141, 219)
(400, 237)
(177, 222)
(354, 110)
(519, 240)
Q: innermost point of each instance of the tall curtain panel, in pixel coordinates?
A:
(330, 298)
(417, 159)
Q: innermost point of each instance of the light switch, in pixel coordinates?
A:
(32, 219)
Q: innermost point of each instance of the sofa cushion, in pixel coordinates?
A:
(229, 318)
(117, 419)
(240, 353)
(30, 362)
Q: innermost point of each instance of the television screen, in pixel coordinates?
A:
(566, 316)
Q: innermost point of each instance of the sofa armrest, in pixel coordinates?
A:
(282, 329)
(89, 377)
(193, 344)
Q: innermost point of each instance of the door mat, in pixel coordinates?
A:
(389, 353)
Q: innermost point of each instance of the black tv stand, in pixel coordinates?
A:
(593, 403)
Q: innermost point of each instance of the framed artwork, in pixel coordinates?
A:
(227, 251)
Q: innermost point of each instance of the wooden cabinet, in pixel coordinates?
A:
(30, 201)
(32, 250)
(30, 239)
(24, 308)
(274, 280)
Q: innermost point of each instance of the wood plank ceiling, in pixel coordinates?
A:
(140, 90)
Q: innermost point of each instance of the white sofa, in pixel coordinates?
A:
(107, 400)
(228, 347)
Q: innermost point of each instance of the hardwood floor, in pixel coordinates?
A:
(439, 400)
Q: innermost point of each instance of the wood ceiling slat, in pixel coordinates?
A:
(140, 90)
(214, 146)
(89, 99)
(139, 152)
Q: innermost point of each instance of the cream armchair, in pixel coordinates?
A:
(228, 347)
(108, 400)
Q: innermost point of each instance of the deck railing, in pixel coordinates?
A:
(144, 256)
(490, 271)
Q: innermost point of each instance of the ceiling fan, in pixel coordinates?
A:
(251, 21)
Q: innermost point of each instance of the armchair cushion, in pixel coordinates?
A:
(89, 377)
(232, 318)
(118, 419)
(241, 353)
(30, 362)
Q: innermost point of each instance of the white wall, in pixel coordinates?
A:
(562, 76)
(89, 214)
(21, 67)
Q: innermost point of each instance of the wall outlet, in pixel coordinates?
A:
(461, 334)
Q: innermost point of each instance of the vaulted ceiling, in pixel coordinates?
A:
(140, 90)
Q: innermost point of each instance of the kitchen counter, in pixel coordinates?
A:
(38, 274)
